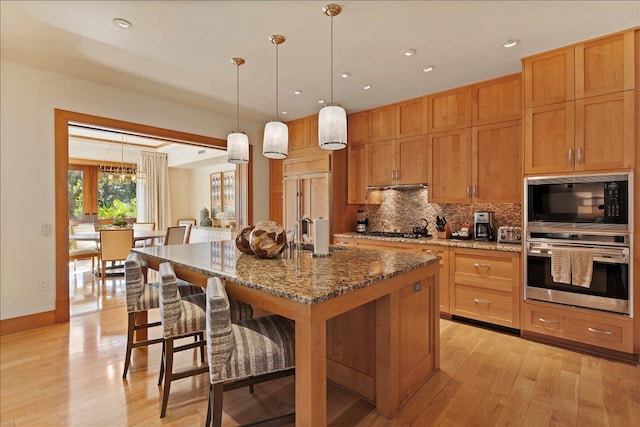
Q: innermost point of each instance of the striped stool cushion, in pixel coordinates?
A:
(179, 316)
(247, 348)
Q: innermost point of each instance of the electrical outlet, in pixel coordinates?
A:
(43, 285)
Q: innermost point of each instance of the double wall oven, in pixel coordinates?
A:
(579, 239)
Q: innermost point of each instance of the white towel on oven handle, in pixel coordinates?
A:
(581, 267)
(561, 265)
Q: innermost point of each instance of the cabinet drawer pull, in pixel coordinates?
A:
(477, 265)
(543, 320)
(481, 301)
(475, 191)
(570, 156)
(430, 251)
(599, 331)
(468, 191)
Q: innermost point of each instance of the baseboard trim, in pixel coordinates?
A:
(25, 323)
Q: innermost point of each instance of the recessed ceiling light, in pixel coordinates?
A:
(122, 23)
(297, 92)
(428, 68)
(409, 52)
(345, 75)
(284, 112)
(511, 43)
(321, 101)
(367, 87)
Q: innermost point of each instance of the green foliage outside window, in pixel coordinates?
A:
(74, 186)
(116, 197)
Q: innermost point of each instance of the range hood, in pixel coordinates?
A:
(396, 187)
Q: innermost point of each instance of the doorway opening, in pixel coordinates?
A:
(62, 204)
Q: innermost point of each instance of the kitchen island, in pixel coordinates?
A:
(365, 319)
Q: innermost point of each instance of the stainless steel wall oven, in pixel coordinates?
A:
(578, 241)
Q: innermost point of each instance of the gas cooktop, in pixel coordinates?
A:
(397, 234)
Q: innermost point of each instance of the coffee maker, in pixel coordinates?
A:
(361, 222)
(483, 225)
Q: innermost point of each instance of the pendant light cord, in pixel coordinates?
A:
(277, 82)
(238, 98)
(331, 81)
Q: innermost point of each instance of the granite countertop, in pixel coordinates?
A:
(472, 244)
(303, 278)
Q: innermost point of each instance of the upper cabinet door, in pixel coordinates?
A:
(411, 117)
(312, 131)
(497, 100)
(381, 163)
(450, 109)
(497, 162)
(411, 160)
(450, 166)
(549, 77)
(605, 132)
(383, 123)
(549, 138)
(297, 134)
(605, 65)
(358, 128)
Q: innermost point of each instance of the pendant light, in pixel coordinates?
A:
(276, 134)
(332, 120)
(237, 142)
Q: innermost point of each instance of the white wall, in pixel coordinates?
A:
(28, 97)
(180, 190)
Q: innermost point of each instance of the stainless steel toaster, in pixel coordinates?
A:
(509, 235)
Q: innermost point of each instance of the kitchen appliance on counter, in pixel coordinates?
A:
(361, 222)
(509, 235)
(483, 225)
(398, 234)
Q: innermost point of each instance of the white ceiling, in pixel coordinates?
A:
(181, 50)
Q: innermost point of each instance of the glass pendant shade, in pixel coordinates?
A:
(237, 148)
(332, 127)
(276, 140)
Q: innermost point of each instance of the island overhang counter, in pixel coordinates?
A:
(365, 319)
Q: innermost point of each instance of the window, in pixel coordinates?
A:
(116, 196)
(76, 194)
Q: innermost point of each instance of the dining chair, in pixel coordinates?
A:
(245, 352)
(141, 297)
(175, 235)
(79, 249)
(187, 223)
(150, 226)
(115, 245)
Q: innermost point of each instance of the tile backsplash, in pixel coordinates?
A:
(399, 210)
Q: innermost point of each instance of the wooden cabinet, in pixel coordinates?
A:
(549, 138)
(605, 65)
(484, 285)
(411, 117)
(358, 128)
(496, 163)
(450, 109)
(276, 192)
(549, 77)
(479, 165)
(450, 166)
(581, 326)
(604, 132)
(399, 161)
(303, 134)
(382, 123)
(441, 252)
(589, 134)
(497, 100)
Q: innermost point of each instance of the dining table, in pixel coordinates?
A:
(138, 235)
(365, 319)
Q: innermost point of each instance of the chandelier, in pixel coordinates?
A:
(119, 172)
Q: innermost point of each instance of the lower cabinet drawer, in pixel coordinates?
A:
(484, 305)
(582, 326)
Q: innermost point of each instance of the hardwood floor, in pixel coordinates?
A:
(70, 375)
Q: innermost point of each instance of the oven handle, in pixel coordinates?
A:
(604, 256)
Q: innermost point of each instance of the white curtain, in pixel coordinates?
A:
(242, 196)
(152, 190)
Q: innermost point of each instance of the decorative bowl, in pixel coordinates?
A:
(267, 239)
(242, 240)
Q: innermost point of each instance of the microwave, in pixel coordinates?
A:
(598, 201)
